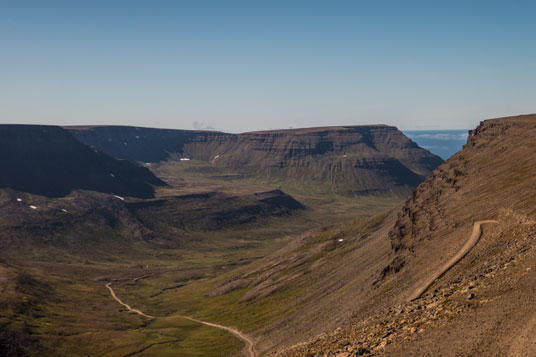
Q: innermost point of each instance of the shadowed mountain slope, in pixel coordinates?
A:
(136, 143)
(47, 160)
(211, 210)
(92, 225)
(346, 160)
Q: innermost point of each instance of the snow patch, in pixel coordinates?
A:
(64, 210)
(19, 199)
(185, 159)
(119, 197)
(33, 207)
(340, 240)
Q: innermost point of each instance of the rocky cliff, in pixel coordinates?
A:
(347, 160)
(483, 305)
(47, 160)
(494, 170)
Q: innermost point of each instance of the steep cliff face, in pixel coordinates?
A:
(484, 302)
(347, 160)
(47, 160)
(135, 143)
(494, 170)
(350, 160)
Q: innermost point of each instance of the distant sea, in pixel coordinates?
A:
(443, 143)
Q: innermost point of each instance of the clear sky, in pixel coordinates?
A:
(248, 65)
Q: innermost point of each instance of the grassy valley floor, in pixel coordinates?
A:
(61, 306)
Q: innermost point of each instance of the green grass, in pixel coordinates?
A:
(292, 181)
(178, 336)
(228, 309)
(65, 307)
(225, 309)
(180, 280)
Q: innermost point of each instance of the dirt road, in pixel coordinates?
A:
(471, 242)
(112, 292)
(248, 351)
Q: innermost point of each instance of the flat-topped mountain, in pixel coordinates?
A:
(373, 286)
(135, 143)
(448, 273)
(346, 160)
(47, 160)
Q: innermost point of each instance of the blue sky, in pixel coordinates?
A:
(249, 65)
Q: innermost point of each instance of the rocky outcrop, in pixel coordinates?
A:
(347, 290)
(485, 170)
(347, 160)
(47, 160)
(484, 303)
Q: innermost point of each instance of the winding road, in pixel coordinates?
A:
(249, 350)
(417, 293)
(471, 242)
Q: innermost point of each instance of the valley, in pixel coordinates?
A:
(164, 255)
(182, 259)
(249, 343)
(221, 262)
(267, 179)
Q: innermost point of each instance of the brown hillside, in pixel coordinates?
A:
(353, 282)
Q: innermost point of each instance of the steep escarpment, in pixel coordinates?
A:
(346, 160)
(47, 160)
(483, 304)
(350, 160)
(351, 284)
(494, 170)
(136, 143)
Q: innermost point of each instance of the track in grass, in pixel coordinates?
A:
(248, 349)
